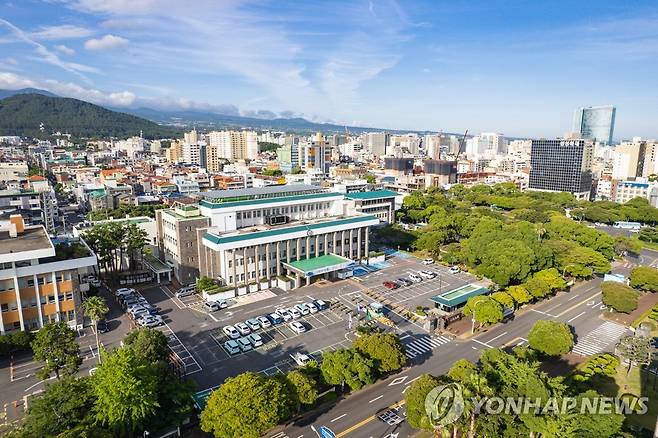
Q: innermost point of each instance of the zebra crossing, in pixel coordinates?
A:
(418, 345)
(601, 339)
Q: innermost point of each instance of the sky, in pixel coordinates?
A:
(516, 67)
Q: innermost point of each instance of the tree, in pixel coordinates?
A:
(306, 392)
(95, 309)
(347, 367)
(134, 243)
(537, 288)
(637, 350)
(552, 278)
(56, 347)
(385, 349)
(148, 344)
(245, 406)
(414, 399)
(484, 310)
(205, 283)
(644, 278)
(370, 178)
(126, 391)
(550, 338)
(461, 370)
(504, 299)
(520, 295)
(619, 297)
(624, 245)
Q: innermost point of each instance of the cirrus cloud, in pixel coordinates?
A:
(65, 49)
(107, 42)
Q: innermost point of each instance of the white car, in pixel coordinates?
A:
(150, 321)
(231, 332)
(427, 274)
(283, 313)
(255, 340)
(301, 359)
(214, 306)
(253, 324)
(312, 307)
(124, 291)
(415, 278)
(297, 327)
(296, 314)
(243, 328)
(231, 347)
(454, 270)
(264, 321)
(244, 344)
(302, 309)
(185, 292)
(428, 262)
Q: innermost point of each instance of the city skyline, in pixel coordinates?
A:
(516, 68)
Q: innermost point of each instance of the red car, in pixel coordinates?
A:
(391, 285)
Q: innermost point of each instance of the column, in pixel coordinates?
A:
(169, 275)
(317, 245)
(342, 243)
(367, 242)
(235, 270)
(308, 247)
(56, 290)
(212, 268)
(351, 245)
(333, 243)
(358, 243)
(18, 302)
(268, 275)
(287, 251)
(245, 262)
(299, 249)
(257, 265)
(326, 243)
(278, 258)
(36, 292)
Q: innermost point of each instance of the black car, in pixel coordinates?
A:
(102, 326)
(404, 282)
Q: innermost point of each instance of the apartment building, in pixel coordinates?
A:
(41, 279)
(231, 145)
(13, 170)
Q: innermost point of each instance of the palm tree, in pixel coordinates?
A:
(95, 309)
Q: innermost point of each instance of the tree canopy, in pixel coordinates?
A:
(551, 338)
(619, 297)
(384, 349)
(644, 278)
(55, 345)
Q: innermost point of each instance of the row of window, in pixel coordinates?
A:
(33, 323)
(282, 210)
(6, 285)
(32, 302)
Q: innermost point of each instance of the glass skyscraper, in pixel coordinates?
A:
(595, 122)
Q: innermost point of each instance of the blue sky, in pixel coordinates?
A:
(517, 67)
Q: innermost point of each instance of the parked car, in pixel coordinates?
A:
(231, 332)
(508, 314)
(244, 344)
(404, 282)
(427, 274)
(102, 326)
(321, 305)
(300, 359)
(214, 306)
(297, 327)
(231, 347)
(253, 324)
(185, 291)
(415, 278)
(264, 321)
(391, 285)
(455, 270)
(255, 339)
(312, 307)
(138, 313)
(124, 291)
(94, 281)
(150, 321)
(275, 318)
(243, 328)
(283, 313)
(428, 262)
(296, 314)
(302, 309)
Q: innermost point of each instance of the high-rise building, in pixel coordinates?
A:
(595, 123)
(231, 145)
(562, 166)
(628, 160)
(315, 154)
(377, 143)
(486, 145)
(195, 153)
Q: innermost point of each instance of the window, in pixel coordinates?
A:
(69, 295)
(51, 299)
(4, 308)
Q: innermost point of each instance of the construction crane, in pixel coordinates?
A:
(461, 143)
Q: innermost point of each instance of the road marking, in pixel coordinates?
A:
(578, 304)
(376, 398)
(338, 418)
(398, 380)
(412, 380)
(543, 313)
(580, 314)
(366, 420)
(502, 334)
(573, 297)
(482, 343)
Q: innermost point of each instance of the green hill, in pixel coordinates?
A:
(22, 114)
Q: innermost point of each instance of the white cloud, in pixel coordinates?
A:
(65, 49)
(108, 42)
(61, 32)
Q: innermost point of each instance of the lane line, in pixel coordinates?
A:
(338, 418)
(376, 398)
(580, 314)
(483, 343)
(578, 304)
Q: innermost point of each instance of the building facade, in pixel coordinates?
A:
(562, 166)
(595, 123)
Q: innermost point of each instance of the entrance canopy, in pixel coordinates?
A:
(318, 265)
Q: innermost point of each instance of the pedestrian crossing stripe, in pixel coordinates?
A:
(422, 345)
(598, 340)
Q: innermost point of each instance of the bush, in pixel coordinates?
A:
(619, 297)
(205, 283)
(600, 364)
(550, 338)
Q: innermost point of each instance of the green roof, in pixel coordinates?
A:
(374, 194)
(172, 213)
(460, 295)
(286, 230)
(315, 263)
(156, 264)
(283, 199)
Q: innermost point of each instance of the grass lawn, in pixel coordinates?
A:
(636, 383)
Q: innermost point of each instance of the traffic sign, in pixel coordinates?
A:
(325, 432)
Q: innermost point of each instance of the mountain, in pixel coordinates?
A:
(22, 114)
(9, 93)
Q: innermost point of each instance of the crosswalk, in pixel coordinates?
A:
(418, 345)
(600, 339)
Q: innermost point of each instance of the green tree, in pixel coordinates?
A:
(134, 243)
(551, 338)
(520, 295)
(644, 278)
(205, 283)
(56, 347)
(385, 349)
(552, 278)
(504, 299)
(619, 297)
(305, 387)
(370, 178)
(461, 370)
(637, 350)
(148, 345)
(484, 310)
(414, 399)
(624, 245)
(95, 309)
(347, 367)
(245, 406)
(126, 392)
